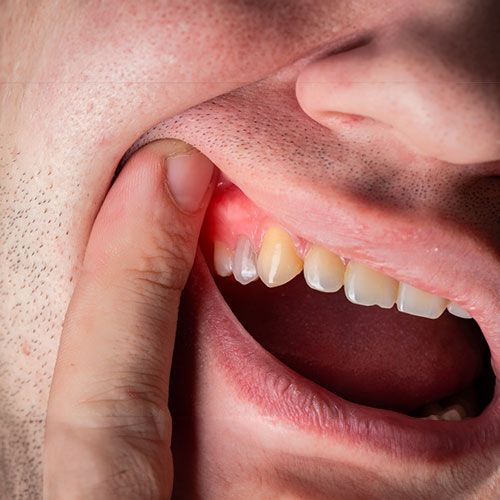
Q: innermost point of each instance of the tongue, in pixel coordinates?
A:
(367, 355)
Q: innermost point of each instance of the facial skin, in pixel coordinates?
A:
(85, 81)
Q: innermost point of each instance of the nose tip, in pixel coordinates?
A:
(432, 105)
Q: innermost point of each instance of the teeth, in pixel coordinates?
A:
(368, 287)
(431, 417)
(223, 260)
(456, 310)
(414, 301)
(454, 413)
(323, 270)
(278, 261)
(244, 269)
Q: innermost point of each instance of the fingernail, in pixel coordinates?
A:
(188, 177)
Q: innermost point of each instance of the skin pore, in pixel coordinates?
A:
(83, 82)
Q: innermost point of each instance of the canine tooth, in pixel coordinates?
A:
(323, 270)
(278, 261)
(414, 301)
(454, 413)
(223, 259)
(244, 269)
(367, 287)
(456, 310)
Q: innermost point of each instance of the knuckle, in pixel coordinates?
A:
(166, 264)
(134, 407)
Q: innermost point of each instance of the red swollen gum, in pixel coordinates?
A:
(231, 214)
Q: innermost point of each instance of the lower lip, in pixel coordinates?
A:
(283, 394)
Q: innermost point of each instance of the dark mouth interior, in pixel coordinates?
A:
(368, 355)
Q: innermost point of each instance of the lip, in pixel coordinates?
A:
(280, 393)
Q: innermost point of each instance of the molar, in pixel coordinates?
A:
(367, 287)
(454, 413)
(323, 270)
(414, 301)
(278, 262)
(223, 259)
(456, 310)
(244, 269)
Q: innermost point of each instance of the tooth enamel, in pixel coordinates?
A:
(223, 259)
(367, 287)
(278, 261)
(414, 301)
(244, 269)
(454, 413)
(323, 270)
(456, 310)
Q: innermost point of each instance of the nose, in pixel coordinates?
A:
(434, 99)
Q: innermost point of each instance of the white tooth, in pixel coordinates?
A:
(223, 259)
(244, 268)
(454, 413)
(367, 287)
(323, 270)
(414, 301)
(456, 310)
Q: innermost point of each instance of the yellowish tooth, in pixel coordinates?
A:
(367, 287)
(456, 310)
(414, 301)
(323, 270)
(278, 261)
(223, 259)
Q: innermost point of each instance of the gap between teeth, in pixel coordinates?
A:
(278, 262)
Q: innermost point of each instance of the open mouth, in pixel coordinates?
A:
(412, 364)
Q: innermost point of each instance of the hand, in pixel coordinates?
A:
(108, 426)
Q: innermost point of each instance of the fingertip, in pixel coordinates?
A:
(159, 197)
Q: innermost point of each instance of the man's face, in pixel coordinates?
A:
(403, 189)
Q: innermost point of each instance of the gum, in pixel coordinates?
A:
(232, 214)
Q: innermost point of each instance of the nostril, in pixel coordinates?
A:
(435, 110)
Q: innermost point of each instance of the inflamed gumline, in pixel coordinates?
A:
(249, 245)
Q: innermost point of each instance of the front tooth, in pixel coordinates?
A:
(244, 269)
(456, 310)
(278, 261)
(414, 301)
(323, 270)
(367, 287)
(223, 259)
